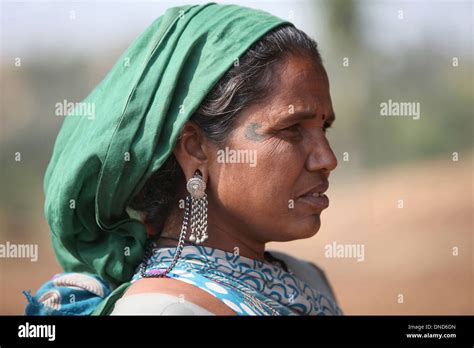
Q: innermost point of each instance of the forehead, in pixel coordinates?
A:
(301, 82)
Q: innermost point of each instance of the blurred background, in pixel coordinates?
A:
(403, 188)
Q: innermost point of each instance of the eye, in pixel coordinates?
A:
(293, 128)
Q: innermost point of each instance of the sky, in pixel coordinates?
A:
(44, 29)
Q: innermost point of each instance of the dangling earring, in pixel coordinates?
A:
(197, 202)
(196, 188)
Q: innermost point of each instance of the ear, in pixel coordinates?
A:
(191, 151)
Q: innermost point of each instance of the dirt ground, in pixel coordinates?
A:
(408, 251)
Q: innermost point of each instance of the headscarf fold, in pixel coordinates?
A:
(99, 163)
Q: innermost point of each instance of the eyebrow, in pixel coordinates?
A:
(303, 115)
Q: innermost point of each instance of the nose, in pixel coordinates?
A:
(321, 157)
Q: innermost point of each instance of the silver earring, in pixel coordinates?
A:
(197, 191)
(197, 202)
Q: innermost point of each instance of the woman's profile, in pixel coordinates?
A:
(208, 142)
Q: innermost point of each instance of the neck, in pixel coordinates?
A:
(219, 238)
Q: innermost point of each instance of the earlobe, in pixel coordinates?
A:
(190, 151)
(200, 172)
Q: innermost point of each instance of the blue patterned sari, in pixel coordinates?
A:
(247, 286)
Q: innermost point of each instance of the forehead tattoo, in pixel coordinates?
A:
(250, 132)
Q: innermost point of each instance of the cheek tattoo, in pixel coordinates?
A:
(250, 132)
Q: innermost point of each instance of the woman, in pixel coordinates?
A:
(208, 142)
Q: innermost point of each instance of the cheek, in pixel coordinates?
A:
(264, 186)
(280, 165)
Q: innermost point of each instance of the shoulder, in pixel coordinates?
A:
(306, 271)
(167, 296)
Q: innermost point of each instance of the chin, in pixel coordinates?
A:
(301, 229)
(313, 226)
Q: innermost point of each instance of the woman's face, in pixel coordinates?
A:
(271, 192)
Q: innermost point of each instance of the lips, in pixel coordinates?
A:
(317, 203)
(319, 189)
(315, 197)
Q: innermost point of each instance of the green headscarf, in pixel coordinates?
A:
(99, 163)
